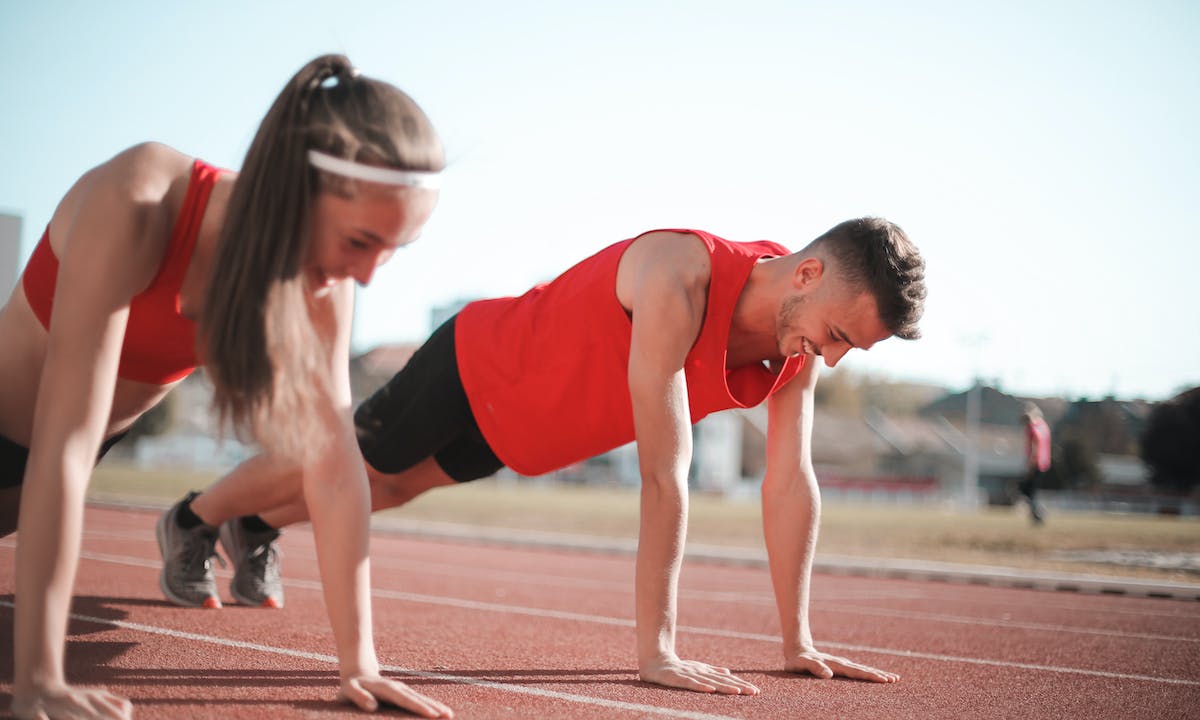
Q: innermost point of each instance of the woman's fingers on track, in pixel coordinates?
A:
(352, 692)
(697, 676)
(371, 691)
(74, 702)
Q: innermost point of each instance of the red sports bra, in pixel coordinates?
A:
(160, 343)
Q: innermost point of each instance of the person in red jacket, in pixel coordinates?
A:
(637, 342)
(1037, 459)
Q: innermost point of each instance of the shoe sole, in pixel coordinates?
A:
(267, 602)
(211, 602)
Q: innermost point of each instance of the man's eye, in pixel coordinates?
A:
(358, 244)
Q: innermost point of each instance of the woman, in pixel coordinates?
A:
(154, 261)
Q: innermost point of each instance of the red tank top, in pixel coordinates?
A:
(546, 373)
(160, 343)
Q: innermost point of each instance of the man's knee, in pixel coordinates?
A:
(392, 489)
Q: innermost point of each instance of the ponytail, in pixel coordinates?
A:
(265, 358)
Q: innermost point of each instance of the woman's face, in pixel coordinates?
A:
(351, 236)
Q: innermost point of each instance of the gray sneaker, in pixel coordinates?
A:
(187, 578)
(255, 560)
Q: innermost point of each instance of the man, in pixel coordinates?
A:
(635, 343)
(1037, 459)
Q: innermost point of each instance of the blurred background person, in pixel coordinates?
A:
(1037, 459)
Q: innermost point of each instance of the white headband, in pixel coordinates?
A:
(374, 173)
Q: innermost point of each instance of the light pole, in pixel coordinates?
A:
(970, 496)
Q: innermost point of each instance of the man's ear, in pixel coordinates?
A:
(808, 273)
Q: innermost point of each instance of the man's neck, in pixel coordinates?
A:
(754, 331)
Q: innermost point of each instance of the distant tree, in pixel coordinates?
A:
(897, 397)
(840, 391)
(1074, 462)
(1104, 424)
(1171, 442)
(849, 393)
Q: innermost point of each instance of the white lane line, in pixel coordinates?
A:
(881, 612)
(386, 563)
(740, 597)
(764, 599)
(459, 679)
(715, 632)
(1004, 624)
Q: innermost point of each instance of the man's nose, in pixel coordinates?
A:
(834, 354)
(364, 271)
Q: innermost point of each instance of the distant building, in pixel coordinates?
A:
(10, 253)
(995, 407)
(372, 369)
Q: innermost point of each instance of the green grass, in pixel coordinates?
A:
(1001, 537)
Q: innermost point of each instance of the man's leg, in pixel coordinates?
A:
(388, 490)
(258, 485)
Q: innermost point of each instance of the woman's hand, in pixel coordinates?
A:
(72, 702)
(368, 691)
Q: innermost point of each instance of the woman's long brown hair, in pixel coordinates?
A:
(268, 364)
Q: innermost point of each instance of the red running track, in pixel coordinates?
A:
(518, 633)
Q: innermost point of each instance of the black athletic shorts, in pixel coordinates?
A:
(423, 412)
(14, 457)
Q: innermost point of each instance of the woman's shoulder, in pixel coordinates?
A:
(145, 173)
(139, 176)
(127, 204)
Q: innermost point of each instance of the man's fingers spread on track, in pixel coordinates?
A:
(680, 680)
(419, 704)
(858, 671)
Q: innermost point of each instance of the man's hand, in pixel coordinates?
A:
(368, 691)
(825, 666)
(692, 675)
(71, 702)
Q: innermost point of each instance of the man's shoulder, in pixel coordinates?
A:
(683, 254)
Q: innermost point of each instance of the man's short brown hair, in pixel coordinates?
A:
(875, 255)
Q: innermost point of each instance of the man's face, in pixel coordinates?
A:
(826, 318)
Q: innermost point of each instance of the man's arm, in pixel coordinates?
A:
(665, 286)
(791, 506)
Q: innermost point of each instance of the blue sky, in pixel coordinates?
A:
(1043, 155)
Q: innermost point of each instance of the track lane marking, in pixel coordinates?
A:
(715, 632)
(882, 612)
(766, 598)
(457, 679)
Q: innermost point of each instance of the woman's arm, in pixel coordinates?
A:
(106, 227)
(338, 497)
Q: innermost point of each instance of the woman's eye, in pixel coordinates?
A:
(358, 244)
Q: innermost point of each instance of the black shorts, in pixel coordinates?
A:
(14, 458)
(423, 412)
